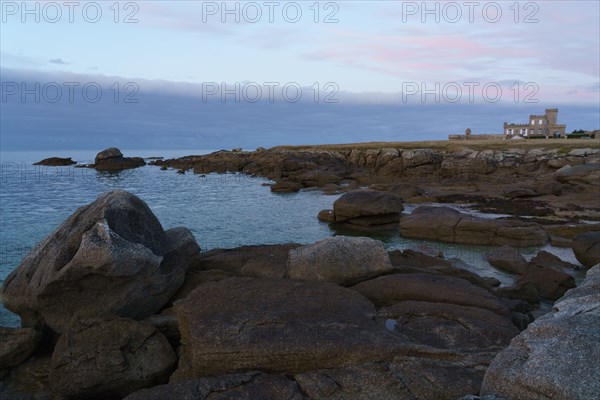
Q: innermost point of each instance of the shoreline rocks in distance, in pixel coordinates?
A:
(56, 162)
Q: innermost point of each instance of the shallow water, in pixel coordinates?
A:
(222, 210)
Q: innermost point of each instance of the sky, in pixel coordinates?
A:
(276, 72)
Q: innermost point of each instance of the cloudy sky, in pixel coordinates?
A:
(447, 58)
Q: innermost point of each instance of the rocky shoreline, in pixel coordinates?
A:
(113, 306)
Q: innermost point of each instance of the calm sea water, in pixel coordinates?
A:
(222, 210)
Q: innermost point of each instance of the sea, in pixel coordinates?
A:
(222, 210)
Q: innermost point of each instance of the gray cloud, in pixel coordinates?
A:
(58, 61)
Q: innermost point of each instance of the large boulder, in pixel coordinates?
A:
(368, 207)
(556, 357)
(339, 259)
(449, 225)
(276, 325)
(243, 386)
(586, 247)
(112, 159)
(109, 357)
(507, 259)
(546, 271)
(109, 256)
(17, 345)
(111, 152)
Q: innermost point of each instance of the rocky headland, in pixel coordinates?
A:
(113, 306)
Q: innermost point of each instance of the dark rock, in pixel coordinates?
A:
(244, 386)
(56, 162)
(546, 272)
(367, 381)
(391, 289)
(449, 225)
(526, 291)
(194, 278)
(514, 193)
(586, 247)
(326, 216)
(368, 207)
(110, 256)
(556, 357)
(276, 325)
(109, 357)
(507, 259)
(548, 187)
(449, 326)
(28, 381)
(111, 152)
(260, 261)
(550, 260)
(339, 259)
(286, 187)
(17, 345)
(416, 259)
(112, 159)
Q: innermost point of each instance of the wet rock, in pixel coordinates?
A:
(368, 207)
(56, 162)
(111, 256)
(244, 386)
(339, 259)
(449, 225)
(556, 357)
(507, 259)
(17, 345)
(286, 187)
(586, 247)
(276, 325)
(326, 216)
(100, 358)
(111, 152)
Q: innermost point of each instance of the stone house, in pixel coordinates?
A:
(539, 126)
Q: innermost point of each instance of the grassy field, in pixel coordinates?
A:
(562, 145)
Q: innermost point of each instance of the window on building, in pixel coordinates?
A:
(539, 122)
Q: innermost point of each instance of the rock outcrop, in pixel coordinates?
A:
(449, 225)
(112, 159)
(368, 207)
(56, 162)
(340, 259)
(109, 256)
(556, 357)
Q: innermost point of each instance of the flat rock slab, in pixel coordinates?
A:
(449, 225)
(366, 204)
(391, 289)
(274, 325)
